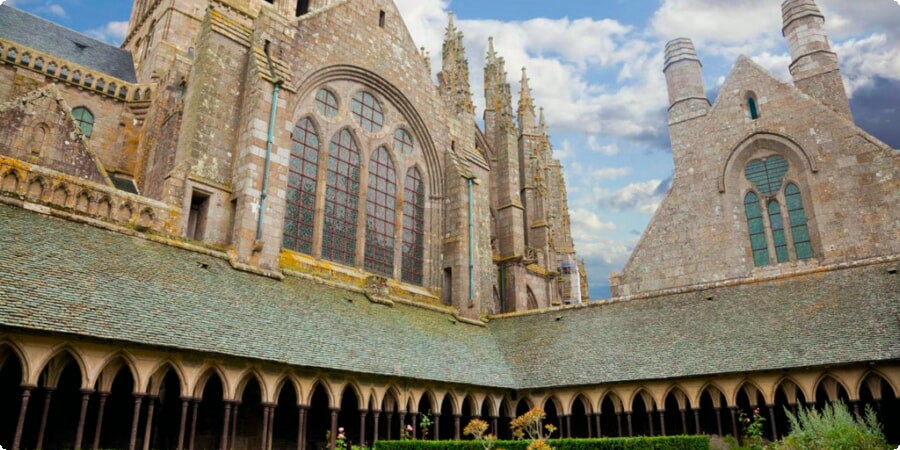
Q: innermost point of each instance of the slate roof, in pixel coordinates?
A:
(45, 36)
(64, 277)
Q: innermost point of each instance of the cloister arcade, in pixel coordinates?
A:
(85, 395)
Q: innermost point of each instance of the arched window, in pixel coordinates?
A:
(88, 80)
(112, 89)
(326, 103)
(532, 299)
(413, 228)
(26, 59)
(85, 119)
(381, 208)
(797, 217)
(64, 72)
(778, 236)
(299, 220)
(76, 76)
(341, 200)
(403, 143)
(753, 108)
(368, 112)
(11, 55)
(767, 174)
(757, 230)
(39, 64)
(101, 85)
(51, 68)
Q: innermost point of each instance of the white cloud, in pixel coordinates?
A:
(603, 149)
(864, 59)
(40, 6)
(111, 33)
(610, 173)
(643, 196)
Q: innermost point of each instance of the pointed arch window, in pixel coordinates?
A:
(413, 228)
(326, 103)
(767, 174)
(381, 213)
(303, 168)
(403, 143)
(757, 230)
(341, 199)
(85, 119)
(368, 112)
(778, 236)
(798, 222)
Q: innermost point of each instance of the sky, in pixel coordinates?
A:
(596, 68)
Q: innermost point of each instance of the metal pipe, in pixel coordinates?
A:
(270, 140)
(471, 242)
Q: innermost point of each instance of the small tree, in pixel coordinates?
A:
(478, 428)
(531, 426)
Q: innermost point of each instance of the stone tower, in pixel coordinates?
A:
(687, 95)
(814, 66)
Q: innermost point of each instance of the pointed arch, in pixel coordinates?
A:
(557, 403)
(204, 377)
(743, 387)
(159, 372)
(413, 263)
(713, 388)
(15, 349)
(796, 155)
(249, 374)
(303, 185)
(381, 213)
(127, 362)
(63, 351)
(840, 384)
(492, 407)
(341, 199)
(326, 388)
(613, 398)
(875, 373)
(473, 406)
(285, 380)
(353, 387)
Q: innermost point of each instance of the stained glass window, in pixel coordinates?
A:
(85, 119)
(299, 221)
(778, 236)
(413, 228)
(326, 103)
(403, 143)
(767, 174)
(341, 200)
(368, 111)
(797, 217)
(757, 230)
(381, 208)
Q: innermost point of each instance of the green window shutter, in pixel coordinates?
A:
(757, 230)
(799, 226)
(781, 249)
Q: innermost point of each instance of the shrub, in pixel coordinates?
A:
(638, 443)
(833, 428)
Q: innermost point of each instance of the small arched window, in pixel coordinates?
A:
(381, 213)
(753, 108)
(26, 59)
(757, 230)
(76, 76)
(799, 226)
(85, 119)
(88, 80)
(341, 200)
(11, 55)
(64, 72)
(112, 89)
(413, 228)
(326, 103)
(532, 299)
(51, 68)
(778, 236)
(403, 143)
(38, 64)
(368, 112)
(123, 92)
(101, 85)
(300, 218)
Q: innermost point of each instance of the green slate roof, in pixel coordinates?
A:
(63, 277)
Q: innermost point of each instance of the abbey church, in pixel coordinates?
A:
(259, 221)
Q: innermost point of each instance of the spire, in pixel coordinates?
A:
(497, 95)
(526, 106)
(491, 53)
(542, 125)
(454, 76)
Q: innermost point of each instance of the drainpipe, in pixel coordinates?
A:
(269, 142)
(471, 182)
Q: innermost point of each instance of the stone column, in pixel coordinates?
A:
(334, 426)
(301, 427)
(650, 421)
(697, 421)
(402, 416)
(181, 426)
(23, 410)
(590, 425)
(683, 422)
(597, 420)
(619, 425)
(79, 432)
(193, 435)
(630, 429)
(148, 427)
(271, 427)
(568, 420)
(101, 407)
(719, 420)
(414, 417)
(362, 426)
(226, 418)
(376, 414)
(234, 420)
(662, 423)
(734, 429)
(265, 427)
(494, 425)
(135, 420)
(48, 396)
(437, 426)
(456, 431)
(772, 419)
(390, 418)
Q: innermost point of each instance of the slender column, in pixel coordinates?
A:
(265, 427)
(402, 416)
(719, 421)
(148, 428)
(630, 429)
(590, 425)
(362, 427)
(619, 424)
(662, 423)
(193, 437)
(184, 410)
(226, 418)
(568, 420)
(23, 410)
(734, 429)
(101, 407)
(856, 408)
(456, 434)
(390, 418)
(597, 423)
(135, 420)
(697, 421)
(301, 427)
(684, 422)
(414, 417)
(772, 419)
(334, 427)
(437, 427)
(48, 395)
(650, 420)
(494, 425)
(376, 414)
(79, 432)
(234, 420)
(271, 427)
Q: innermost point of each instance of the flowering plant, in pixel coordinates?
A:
(407, 432)
(341, 441)
(531, 425)
(477, 429)
(753, 430)
(424, 424)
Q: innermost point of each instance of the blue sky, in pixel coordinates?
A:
(596, 66)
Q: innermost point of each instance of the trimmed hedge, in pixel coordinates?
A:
(638, 443)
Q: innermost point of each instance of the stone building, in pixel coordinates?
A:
(186, 267)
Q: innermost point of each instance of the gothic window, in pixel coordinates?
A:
(112, 89)
(64, 72)
(341, 200)
(101, 84)
(85, 120)
(381, 207)
(403, 143)
(88, 80)
(327, 103)
(767, 174)
(26, 60)
(303, 168)
(51, 68)
(413, 228)
(11, 55)
(76, 76)
(797, 217)
(757, 230)
(778, 236)
(39, 64)
(368, 112)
